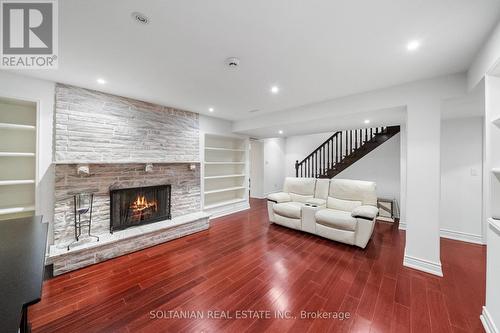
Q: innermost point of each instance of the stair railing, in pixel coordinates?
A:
(334, 150)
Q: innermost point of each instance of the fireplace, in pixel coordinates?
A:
(139, 205)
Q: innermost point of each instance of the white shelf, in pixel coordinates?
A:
(18, 144)
(16, 182)
(226, 159)
(225, 189)
(13, 210)
(17, 127)
(222, 163)
(224, 149)
(225, 176)
(224, 203)
(9, 154)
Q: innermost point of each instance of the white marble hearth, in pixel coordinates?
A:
(89, 251)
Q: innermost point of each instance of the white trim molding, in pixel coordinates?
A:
(423, 265)
(455, 235)
(488, 324)
(228, 209)
(461, 236)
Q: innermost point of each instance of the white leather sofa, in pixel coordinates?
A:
(343, 210)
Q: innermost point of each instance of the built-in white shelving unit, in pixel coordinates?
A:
(17, 158)
(225, 174)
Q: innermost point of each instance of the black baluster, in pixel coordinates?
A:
(336, 151)
(355, 139)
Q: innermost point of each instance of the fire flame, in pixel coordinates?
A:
(142, 203)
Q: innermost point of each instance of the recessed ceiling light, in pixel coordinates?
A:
(254, 110)
(413, 45)
(275, 89)
(211, 109)
(367, 121)
(140, 18)
(101, 81)
(280, 132)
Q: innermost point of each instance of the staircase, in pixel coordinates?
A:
(342, 150)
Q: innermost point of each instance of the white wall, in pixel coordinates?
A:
(21, 87)
(382, 165)
(299, 146)
(486, 58)
(214, 125)
(491, 202)
(423, 101)
(257, 169)
(461, 178)
(274, 165)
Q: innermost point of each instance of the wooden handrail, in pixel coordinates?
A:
(334, 150)
(320, 146)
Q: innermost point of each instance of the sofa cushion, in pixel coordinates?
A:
(316, 202)
(367, 212)
(289, 209)
(336, 219)
(279, 197)
(321, 190)
(344, 205)
(301, 186)
(299, 197)
(356, 190)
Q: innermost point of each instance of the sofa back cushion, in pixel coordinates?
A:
(353, 190)
(322, 186)
(300, 189)
(344, 205)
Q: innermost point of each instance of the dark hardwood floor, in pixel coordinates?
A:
(243, 263)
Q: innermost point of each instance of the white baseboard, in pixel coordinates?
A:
(423, 265)
(229, 209)
(461, 236)
(488, 324)
(456, 235)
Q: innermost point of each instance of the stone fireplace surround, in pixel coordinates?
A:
(116, 137)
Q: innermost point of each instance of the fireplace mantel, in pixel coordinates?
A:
(126, 162)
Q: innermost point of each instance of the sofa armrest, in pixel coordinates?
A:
(365, 212)
(279, 197)
(317, 202)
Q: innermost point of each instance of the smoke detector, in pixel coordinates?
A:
(232, 62)
(140, 18)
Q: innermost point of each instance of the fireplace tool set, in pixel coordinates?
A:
(82, 215)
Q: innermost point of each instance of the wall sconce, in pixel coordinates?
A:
(192, 167)
(149, 168)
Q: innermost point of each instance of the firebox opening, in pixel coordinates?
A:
(139, 205)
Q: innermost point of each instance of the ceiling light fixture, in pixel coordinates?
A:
(210, 109)
(140, 18)
(280, 132)
(232, 62)
(367, 121)
(275, 89)
(413, 45)
(101, 81)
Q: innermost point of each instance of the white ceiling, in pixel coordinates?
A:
(313, 50)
